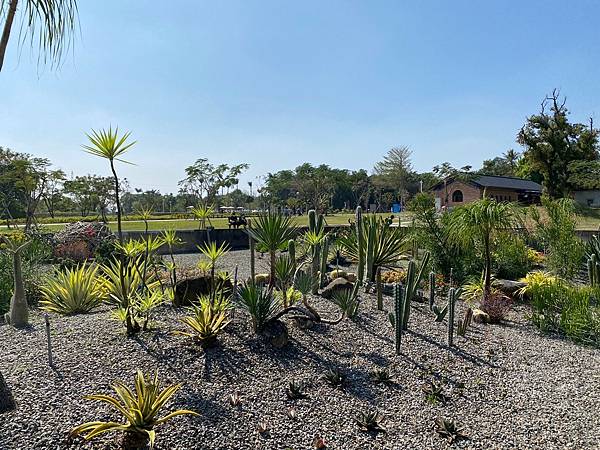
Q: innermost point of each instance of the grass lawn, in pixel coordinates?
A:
(220, 222)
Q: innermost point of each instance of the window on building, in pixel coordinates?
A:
(457, 196)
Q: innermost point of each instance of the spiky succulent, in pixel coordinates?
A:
(235, 399)
(335, 377)
(380, 375)
(370, 420)
(449, 429)
(296, 389)
(434, 392)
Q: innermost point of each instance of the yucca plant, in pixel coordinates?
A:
(213, 254)
(381, 244)
(108, 144)
(206, 321)
(284, 273)
(123, 280)
(171, 240)
(139, 311)
(72, 291)
(203, 213)
(260, 303)
(272, 232)
(140, 408)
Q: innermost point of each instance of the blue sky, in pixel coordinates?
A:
(279, 83)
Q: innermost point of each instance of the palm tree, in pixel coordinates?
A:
(272, 232)
(477, 223)
(512, 158)
(49, 23)
(109, 145)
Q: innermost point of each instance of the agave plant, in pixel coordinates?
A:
(380, 375)
(272, 232)
(434, 392)
(140, 409)
(260, 303)
(370, 420)
(72, 291)
(335, 377)
(385, 248)
(449, 429)
(296, 390)
(205, 322)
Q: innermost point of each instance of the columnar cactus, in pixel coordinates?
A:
(252, 254)
(451, 305)
(360, 272)
(431, 290)
(379, 287)
(316, 262)
(18, 314)
(312, 220)
(370, 249)
(400, 300)
(414, 276)
(593, 266)
(292, 253)
(324, 257)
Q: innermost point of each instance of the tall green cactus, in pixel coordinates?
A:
(360, 271)
(312, 220)
(316, 262)
(252, 254)
(372, 228)
(414, 276)
(593, 266)
(324, 258)
(379, 288)
(292, 253)
(18, 313)
(452, 296)
(431, 290)
(400, 300)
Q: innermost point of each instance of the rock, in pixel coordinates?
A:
(81, 241)
(7, 403)
(187, 291)
(262, 278)
(277, 333)
(339, 284)
(509, 287)
(337, 274)
(480, 316)
(351, 277)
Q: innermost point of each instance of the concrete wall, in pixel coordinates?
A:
(588, 198)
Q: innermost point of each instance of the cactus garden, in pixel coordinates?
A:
(281, 346)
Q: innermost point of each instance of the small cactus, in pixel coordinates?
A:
(465, 323)
(400, 299)
(431, 290)
(292, 253)
(379, 287)
(252, 254)
(324, 255)
(451, 306)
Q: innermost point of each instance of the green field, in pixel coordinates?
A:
(220, 222)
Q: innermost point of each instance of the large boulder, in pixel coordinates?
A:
(7, 403)
(80, 241)
(509, 287)
(480, 316)
(277, 333)
(187, 291)
(337, 285)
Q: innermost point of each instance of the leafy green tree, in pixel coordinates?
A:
(476, 224)
(583, 175)
(204, 180)
(49, 24)
(552, 142)
(395, 170)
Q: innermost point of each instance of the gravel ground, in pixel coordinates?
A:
(508, 385)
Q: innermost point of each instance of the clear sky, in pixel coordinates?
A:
(278, 83)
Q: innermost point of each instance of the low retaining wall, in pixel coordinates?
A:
(237, 239)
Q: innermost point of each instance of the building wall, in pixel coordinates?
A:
(470, 193)
(502, 195)
(588, 198)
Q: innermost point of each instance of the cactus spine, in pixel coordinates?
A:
(252, 254)
(451, 305)
(431, 290)
(379, 286)
(360, 271)
(399, 301)
(18, 314)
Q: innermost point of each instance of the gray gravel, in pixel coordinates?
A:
(508, 385)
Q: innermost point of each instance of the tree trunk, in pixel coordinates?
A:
(10, 16)
(117, 200)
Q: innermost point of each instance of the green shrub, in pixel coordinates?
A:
(511, 257)
(572, 311)
(564, 250)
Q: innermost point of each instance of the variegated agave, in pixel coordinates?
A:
(140, 408)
